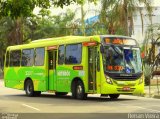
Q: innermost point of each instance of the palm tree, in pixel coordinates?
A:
(152, 39)
(122, 12)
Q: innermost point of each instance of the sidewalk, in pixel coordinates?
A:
(153, 92)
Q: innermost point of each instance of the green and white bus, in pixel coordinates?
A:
(102, 64)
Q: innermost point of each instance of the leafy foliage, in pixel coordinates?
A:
(151, 59)
(45, 26)
(24, 8)
(16, 8)
(152, 40)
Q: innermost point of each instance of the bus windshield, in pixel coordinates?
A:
(119, 59)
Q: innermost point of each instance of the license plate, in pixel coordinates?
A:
(126, 88)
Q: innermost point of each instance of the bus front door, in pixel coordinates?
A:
(92, 69)
(52, 69)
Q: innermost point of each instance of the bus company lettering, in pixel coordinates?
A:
(63, 73)
(28, 73)
(39, 74)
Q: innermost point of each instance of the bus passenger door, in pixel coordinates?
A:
(52, 69)
(92, 69)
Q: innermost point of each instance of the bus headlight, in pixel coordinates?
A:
(108, 79)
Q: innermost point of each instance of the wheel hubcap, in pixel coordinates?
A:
(29, 88)
(79, 89)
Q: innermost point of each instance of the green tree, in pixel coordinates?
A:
(17, 13)
(150, 45)
(19, 19)
(45, 25)
(152, 39)
(14, 9)
(82, 2)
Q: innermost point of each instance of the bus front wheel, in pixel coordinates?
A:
(114, 96)
(80, 92)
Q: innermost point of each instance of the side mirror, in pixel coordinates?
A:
(102, 49)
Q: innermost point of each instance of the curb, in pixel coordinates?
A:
(156, 96)
(152, 96)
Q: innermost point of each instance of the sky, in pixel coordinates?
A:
(157, 3)
(91, 9)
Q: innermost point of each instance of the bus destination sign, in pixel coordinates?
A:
(120, 41)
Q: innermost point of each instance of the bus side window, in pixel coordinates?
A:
(61, 54)
(7, 59)
(15, 57)
(39, 56)
(73, 54)
(27, 57)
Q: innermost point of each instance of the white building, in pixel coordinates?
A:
(137, 20)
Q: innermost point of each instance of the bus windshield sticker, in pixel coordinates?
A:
(81, 73)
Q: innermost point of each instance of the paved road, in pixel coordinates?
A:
(15, 101)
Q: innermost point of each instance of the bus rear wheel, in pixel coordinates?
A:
(80, 92)
(29, 89)
(114, 96)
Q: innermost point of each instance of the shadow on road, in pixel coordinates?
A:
(48, 98)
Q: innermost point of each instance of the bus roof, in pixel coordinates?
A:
(61, 41)
(56, 38)
(56, 41)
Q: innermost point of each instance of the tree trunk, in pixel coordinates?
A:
(125, 7)
(140, 11)
(82, 20)
(15, 37)
(131, 25)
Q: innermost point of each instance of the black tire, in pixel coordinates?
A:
(80, 92)
(104, 95)
(73, 90)
(37, 93)
(114, 96)
(29, 88)
(60, 93)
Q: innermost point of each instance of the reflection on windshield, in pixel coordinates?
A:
(114, 59)
(133, 60)
(122, 60)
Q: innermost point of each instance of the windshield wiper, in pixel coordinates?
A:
(116, 50)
